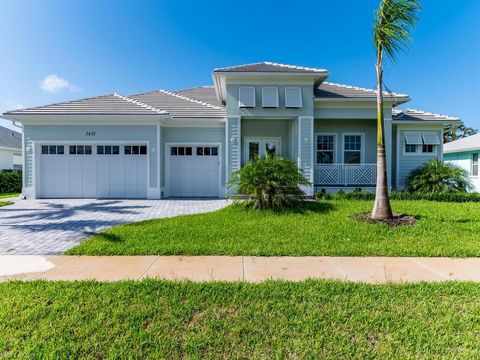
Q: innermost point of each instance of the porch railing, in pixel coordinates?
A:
(345, 174)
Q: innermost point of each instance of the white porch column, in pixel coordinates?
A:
(305, 150)
(388, 146)
(232, 144)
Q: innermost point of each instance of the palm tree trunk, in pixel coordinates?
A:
(382, 209)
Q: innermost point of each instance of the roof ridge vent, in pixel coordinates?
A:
(191, 100)
(139, 103)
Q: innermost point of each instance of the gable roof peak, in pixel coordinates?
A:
(270, 66)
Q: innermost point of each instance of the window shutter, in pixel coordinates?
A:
(413, 139)
(270, 97)
(430, 138)
(293, 97)
(246, 96)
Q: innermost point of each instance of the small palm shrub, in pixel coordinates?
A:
(435, 176)
(269, 182)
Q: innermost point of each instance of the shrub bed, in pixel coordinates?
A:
(403, 195)
(10, 181)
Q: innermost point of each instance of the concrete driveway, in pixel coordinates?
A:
(45, 227)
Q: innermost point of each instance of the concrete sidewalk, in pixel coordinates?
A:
(374, 270)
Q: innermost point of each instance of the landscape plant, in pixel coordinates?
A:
(391, 31)
(268, 182)
(435, 176)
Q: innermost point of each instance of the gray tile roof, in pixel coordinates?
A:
(329, 90)
(202, 93)
(419, 115)
(267, 66)
(180, 106)
(158, 102)
(466, 144)
(112, 104)
(10, 138)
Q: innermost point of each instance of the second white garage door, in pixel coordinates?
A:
(193, 171)
(92, 171)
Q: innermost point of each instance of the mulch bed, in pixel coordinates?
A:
(397, 220)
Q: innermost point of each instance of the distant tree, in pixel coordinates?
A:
(457, 131)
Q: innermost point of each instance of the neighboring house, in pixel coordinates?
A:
(187, 143)
(464, 153)
(10, 149)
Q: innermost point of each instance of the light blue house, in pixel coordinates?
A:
(188, 142)
(464, 153)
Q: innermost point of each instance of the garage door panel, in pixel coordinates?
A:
(80, 175)
(193, 175)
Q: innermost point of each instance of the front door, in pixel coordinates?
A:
(261, 147)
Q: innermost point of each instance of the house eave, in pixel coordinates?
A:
(398, 100)
(475, 148)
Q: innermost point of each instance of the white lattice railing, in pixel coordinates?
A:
(345, 174)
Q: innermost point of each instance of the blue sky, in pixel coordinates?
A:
(56, 50)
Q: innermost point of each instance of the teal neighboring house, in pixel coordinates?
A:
(187, 143)
(464, 153)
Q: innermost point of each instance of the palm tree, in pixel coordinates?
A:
(391, 32)
(456, 131)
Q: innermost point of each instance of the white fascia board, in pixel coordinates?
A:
(399, 100)
(58, 118)
(477, 148)
(426, 122)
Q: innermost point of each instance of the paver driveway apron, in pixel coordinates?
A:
(46, 227)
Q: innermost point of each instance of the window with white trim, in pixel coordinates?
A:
(80, 150)
(428, 149)
(474, 170)
(246, 96)
(410, 148)
(270, 97)
(352, 149)
(325, 149)
(53, 149)
(425, 142)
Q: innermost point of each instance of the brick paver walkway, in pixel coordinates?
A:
(53, 226)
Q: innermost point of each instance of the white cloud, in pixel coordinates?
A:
(54, 83)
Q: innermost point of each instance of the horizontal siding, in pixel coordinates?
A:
(464, 160)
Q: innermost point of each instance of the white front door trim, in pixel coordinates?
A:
(261, 140)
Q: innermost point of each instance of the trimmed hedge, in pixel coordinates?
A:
(403, 195)
(10, 181)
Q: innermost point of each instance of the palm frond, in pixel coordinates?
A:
(392, 24)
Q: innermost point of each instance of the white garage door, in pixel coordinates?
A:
(92, 171)
(193, 171)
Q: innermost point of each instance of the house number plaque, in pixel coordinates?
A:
(90, 133)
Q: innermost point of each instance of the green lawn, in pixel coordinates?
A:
(5, 203)
(314, 319)
(8, 195)
(325, 228)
